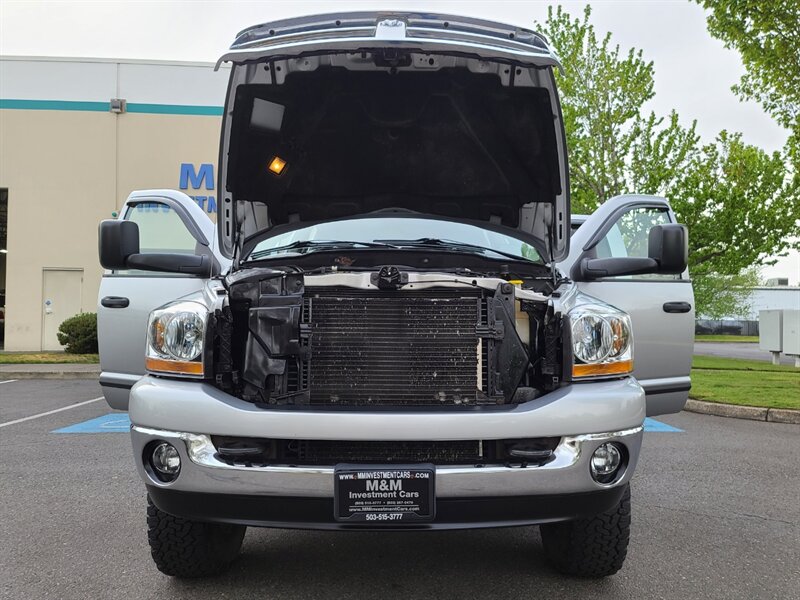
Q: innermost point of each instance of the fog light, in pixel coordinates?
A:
(605, 463)
(166, 460)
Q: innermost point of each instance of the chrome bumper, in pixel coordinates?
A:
(567, 473)
(180, 405)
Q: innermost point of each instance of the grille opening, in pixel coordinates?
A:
(264, 452)
(446, 348)
(409, 348)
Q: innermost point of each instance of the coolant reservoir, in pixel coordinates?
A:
(521, 317)
(522, 323)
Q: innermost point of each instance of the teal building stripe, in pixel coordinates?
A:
(53, 105)
(174, 109)
(132, 107)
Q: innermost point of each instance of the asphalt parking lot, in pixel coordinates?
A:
(745, 350)
(716, 515)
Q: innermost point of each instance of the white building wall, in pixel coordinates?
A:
(68, 162)
(100, 80)
(773, 298)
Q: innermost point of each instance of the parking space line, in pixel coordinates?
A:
(51, 412)
(7, 381)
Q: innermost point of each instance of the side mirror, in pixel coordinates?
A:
(668, 253)
(118, 243)
(668, 245)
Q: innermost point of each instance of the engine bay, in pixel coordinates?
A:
(384, 338)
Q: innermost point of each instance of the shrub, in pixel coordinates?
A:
(78, 334)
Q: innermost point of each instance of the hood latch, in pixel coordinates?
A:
(389, 278)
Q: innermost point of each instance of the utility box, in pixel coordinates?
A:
(770, 330)
(791, 332)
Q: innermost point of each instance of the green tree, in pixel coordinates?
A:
(602, 92)
(767, 36)
(740, 203)
(724, 295)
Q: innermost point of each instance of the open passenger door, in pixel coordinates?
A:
(169, 221)
(661, 306)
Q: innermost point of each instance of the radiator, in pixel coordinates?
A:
(395, 348)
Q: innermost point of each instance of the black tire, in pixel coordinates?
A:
(592, 547)
(184, 548)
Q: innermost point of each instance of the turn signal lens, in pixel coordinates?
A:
(620, 336)
(622, 367)
(156, 334)
(161, 365)
(277, 165)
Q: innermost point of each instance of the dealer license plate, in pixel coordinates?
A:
(384, 494)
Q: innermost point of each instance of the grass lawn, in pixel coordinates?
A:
(726, 338)
(745, 382)
(738, 364)
(42, 358)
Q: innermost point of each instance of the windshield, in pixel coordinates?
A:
(395, 230)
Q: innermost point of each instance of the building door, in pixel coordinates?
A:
(61, 299)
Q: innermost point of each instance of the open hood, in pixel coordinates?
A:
(340, 116)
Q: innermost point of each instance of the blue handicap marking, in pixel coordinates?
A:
(653, 425)
(111, 423)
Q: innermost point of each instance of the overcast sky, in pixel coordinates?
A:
(693, 71)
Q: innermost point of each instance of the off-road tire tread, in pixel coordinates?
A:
(184, 548)
(591, 547)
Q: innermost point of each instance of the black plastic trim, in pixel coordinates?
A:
(121, 386)
(115, 302)
(677, 307)
(664, 389)
(292, 512)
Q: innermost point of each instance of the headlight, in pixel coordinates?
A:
(175, 339)
(602, 343)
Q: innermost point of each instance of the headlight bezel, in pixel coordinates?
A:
(160, 355)
(610, 330)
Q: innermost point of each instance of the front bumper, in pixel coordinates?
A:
(467, 496)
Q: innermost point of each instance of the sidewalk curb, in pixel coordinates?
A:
(752, 413)
(17, 375)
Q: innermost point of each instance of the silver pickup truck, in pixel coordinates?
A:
(392, 325)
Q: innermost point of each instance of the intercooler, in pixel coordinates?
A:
(396, 348)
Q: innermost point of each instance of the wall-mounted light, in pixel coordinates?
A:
(117, 105)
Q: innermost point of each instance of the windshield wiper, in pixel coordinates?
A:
(318, 245)
(451, 245)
